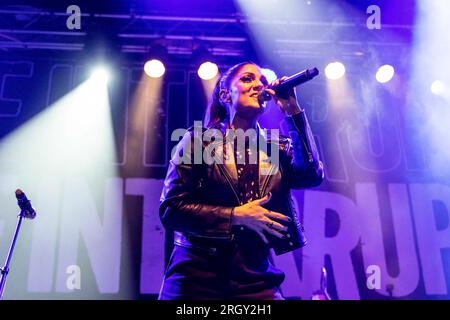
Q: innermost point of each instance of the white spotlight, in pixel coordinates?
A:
(100, 74)
(207, 70)
(154, 68)
(335, 70)
(385, 73)
(437, 87)
(269, 74)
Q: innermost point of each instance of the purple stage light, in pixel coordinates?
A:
(335, 70)
(385, 73)
(207, 70)
(154, 68)
(100, 74)
(269, 74)
(437, 87)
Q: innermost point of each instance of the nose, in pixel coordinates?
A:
(258, 85)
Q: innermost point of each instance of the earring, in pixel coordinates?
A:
(225, 96)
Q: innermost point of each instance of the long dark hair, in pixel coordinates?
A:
(217, 111)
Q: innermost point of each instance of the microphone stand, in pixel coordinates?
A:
(5, 270)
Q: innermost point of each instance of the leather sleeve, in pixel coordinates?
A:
(180, 207)
(304, 168)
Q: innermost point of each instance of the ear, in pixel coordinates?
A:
(225, 96)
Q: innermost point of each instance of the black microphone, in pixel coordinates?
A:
(25, 205)
(283, 88)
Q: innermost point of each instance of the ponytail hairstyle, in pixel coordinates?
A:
(217, 111)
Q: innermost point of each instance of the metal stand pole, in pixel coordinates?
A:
(4, 271)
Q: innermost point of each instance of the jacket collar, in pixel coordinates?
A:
(225, 151)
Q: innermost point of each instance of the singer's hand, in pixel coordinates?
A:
(255, 217)
(288, 106)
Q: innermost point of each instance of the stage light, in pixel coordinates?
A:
(100, 74)
(269, 74)
(203, 59)
(385, 73)
(154, 68)
(207, 70)
(437, 87)
(335, 70)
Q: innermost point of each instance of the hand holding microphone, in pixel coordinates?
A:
(287, 102)
(283, 90)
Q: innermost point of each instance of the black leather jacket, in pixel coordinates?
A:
(197, 199)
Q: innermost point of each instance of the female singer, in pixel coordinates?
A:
(226, 215)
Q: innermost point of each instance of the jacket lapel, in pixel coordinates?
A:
(228, 165)
(224, 150)
(266, 166)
